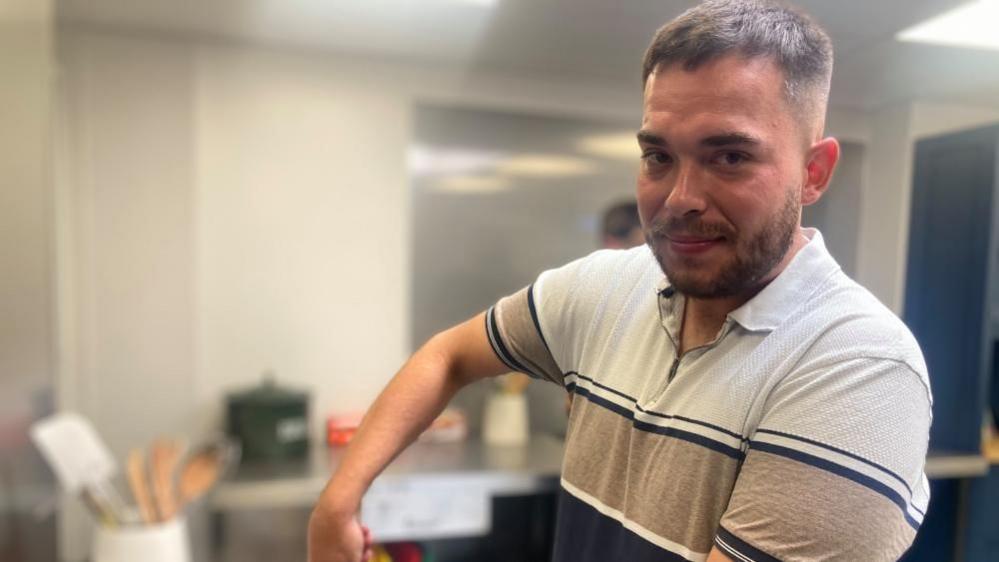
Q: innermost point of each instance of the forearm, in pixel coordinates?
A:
(410, 402)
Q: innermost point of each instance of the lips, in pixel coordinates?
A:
(692, 245)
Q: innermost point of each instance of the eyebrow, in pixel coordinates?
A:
(714, 141)
(730, 139)
(646, 137)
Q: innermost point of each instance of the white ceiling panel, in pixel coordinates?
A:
(585, 39)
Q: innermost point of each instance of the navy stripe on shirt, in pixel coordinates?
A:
(583, 534)
(658, 414)
(534, 317)
(840, 451)
(652, 428)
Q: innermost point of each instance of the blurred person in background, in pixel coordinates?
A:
(621, 227)
(738, 397)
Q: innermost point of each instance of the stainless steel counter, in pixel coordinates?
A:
(532, 468)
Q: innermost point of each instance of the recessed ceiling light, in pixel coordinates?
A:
(544, 166)
(969, 25)
(614, 146)
(438, 160)
(471, 184)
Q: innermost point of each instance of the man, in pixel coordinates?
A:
(622, 228)
(737, 396)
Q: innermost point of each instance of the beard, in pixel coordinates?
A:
(755, 255)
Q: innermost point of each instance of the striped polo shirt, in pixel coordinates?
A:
(799, 433)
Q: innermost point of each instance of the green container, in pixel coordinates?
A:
(270, 422)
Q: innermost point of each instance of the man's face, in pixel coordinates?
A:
(723, 162)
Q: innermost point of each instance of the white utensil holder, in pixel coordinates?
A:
(505, 420)
(163, 542)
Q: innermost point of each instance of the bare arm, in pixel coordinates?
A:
(716, 556)
(414, 397)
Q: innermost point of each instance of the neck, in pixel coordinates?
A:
(703, 318)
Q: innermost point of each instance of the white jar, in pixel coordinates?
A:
(505, 420)
(163, 542)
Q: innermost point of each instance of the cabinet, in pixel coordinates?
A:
(983, 518)
(952, 307)
(951, 278)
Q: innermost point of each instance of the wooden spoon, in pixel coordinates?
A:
(138, 480)
(204, 468)
(164, 456)
(199, 474)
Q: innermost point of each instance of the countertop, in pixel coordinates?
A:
(493, 470)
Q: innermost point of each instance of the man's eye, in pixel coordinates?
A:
(656, 158)
(731, 158)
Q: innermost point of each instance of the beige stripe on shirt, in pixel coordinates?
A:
(767, 512)
(672, 487)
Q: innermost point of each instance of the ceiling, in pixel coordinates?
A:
(587, 40)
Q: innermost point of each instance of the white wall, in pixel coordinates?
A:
(234, 209)
(27, 292)
(126, 245)
(302, 229)
(849, 125)
(935, 118)
(884, 216)
(130, 129)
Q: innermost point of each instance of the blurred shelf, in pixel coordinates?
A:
(941, 464)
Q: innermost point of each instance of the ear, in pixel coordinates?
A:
(819, 166)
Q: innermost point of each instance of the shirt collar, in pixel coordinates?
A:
(785, 293)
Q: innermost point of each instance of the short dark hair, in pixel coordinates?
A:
(620, 219)
(752, 28)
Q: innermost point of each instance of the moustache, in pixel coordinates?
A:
(688, 226)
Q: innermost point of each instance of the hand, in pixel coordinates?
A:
(335, 538)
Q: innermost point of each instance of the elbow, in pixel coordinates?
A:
(441, 356)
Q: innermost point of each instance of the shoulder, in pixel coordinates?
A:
(856, 326)
(579, 304)
(600, 272)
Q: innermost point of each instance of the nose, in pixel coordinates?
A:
(686, 196)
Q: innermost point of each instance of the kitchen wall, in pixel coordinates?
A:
(27, 289)
(235, 210)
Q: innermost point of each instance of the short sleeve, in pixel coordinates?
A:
(516, 338)
(835, 469)
(532, 330)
